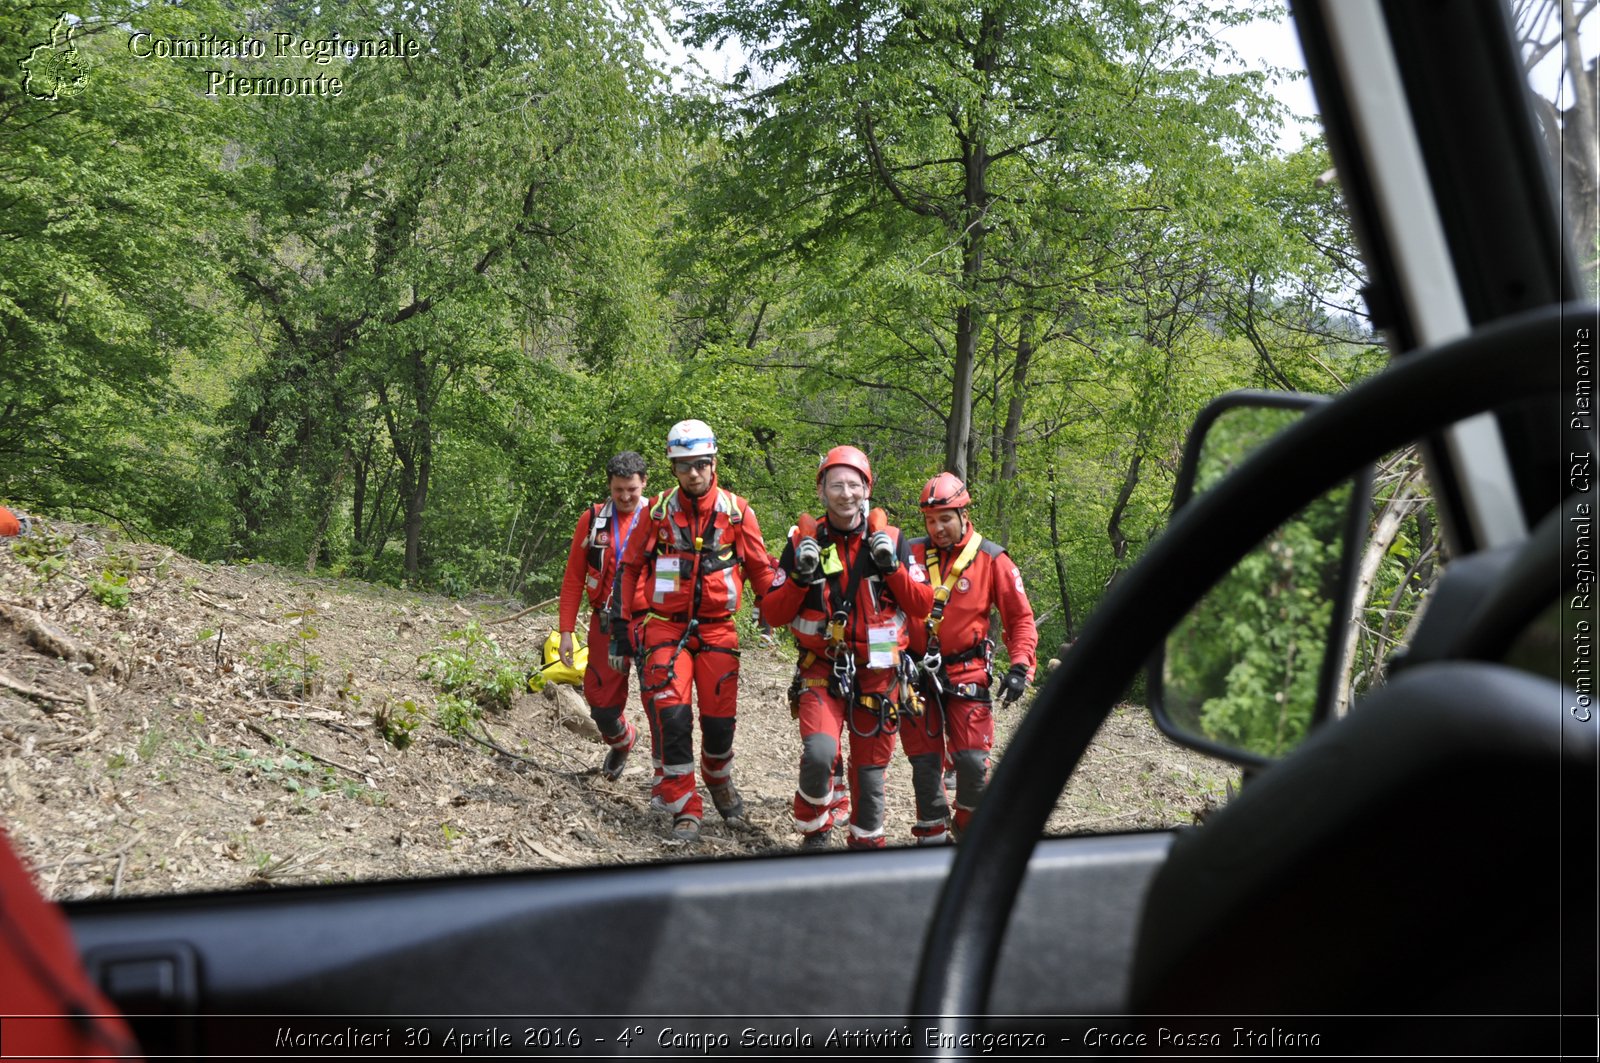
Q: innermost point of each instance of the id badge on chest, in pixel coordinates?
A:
(667, 576)
(882, 642)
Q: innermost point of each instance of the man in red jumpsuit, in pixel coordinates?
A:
(683, 577)
(849, 589)
(970, 576)
(594, 569)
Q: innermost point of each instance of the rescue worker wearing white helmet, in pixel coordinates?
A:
(594, 569)
(683, 577)
(849, 589)
(970, 577)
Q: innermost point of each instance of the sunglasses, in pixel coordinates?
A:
(697, 465)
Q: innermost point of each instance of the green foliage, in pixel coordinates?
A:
(456, 715)
(396, 721)
(397, 335)
(1243, 668)
(45, 554)
(110, 200)
(473, 675)
(110, 588)
(290, 667)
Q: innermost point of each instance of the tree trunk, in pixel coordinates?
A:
(330, 501)
(1013, 428)
(1060, 562)
(1119, 539)
(975, 204)
(417, 496)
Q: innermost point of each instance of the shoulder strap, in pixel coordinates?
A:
(963, 559)
(942, 589)
(844, 598)
(598, 518)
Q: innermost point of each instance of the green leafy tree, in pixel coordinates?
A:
(416, 233)
(112, 202)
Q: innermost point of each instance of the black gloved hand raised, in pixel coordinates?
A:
(883, 551)
(807, 562)
(1014, 684)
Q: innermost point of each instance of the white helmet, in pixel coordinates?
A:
(690, 439)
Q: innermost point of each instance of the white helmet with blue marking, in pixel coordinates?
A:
(691, 439)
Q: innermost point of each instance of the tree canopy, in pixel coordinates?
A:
(396, 331)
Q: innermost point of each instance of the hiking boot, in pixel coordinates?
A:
(616, 760)
(658, 805)
(686, 829)
(815, 843)
(729, 802)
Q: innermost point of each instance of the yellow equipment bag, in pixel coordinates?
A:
(556, 672)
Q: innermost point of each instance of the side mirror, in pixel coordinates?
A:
(1255, 665)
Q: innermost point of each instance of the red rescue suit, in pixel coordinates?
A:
(682, 580)
(979, 576)
(52, 1008)
(854, 684)
(594, 563)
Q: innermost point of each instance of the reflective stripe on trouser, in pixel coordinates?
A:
(709, 665)
(604, 688)
(617, 732)
(670, 732)
(716, 749)
(822, 725)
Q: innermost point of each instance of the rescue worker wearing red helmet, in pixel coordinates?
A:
(969, 576)
(683, 576)
(849, 589)
(594, 569)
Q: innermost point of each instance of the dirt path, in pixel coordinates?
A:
(172, 726)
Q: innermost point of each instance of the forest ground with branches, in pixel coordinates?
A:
(168, 725)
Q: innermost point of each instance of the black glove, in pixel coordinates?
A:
(807, 562)
(1013, 684)
(621, 647)
(884, 554)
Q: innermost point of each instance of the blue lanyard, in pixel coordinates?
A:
(619, 541)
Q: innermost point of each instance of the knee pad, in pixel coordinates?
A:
(609, 721)
(869, 797)
(972, 772)
(716, 736)
(817, 754)
(927, 785)
(677, 733)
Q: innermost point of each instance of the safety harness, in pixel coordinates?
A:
(603, 515)
(841, 589)
(933, 664)
(722, 555)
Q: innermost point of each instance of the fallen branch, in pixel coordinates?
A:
(19, 687)
(44, 636)
(269, 736)
(554, 749)
(488, 742)
(522, 613)
(540, 850)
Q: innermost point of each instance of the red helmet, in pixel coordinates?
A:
(945, 491)
(850, 458)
